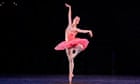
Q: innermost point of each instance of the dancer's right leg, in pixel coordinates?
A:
(70, 64)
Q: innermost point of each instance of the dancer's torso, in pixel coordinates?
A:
(70, 34)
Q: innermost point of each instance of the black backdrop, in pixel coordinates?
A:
(32, 29)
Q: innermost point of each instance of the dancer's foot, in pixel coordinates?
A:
(70, 82)
(70, 78)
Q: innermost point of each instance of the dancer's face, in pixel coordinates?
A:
(76, 20)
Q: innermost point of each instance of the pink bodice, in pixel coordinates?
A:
(71, 35)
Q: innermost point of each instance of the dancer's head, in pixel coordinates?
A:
(76, 20)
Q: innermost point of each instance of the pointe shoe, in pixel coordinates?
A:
(70, 79)
(70, 82)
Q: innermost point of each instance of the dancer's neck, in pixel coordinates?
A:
(74, 25)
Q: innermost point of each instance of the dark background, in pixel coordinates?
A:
(31, 30)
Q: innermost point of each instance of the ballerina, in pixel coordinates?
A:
(73, 45)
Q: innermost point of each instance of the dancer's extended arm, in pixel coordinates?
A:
(69, 14)
(85, 31)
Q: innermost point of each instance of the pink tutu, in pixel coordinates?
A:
(72, 43)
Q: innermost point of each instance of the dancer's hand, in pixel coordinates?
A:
(67, 5)
(90, 33)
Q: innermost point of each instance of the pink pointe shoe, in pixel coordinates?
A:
(70, 77)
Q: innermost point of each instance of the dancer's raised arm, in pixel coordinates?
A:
(69, 14)
(85, 31)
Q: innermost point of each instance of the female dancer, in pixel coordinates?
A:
(73, 45)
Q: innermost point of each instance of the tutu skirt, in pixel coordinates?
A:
(72, 43)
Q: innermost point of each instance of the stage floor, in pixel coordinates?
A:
(64, 80)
